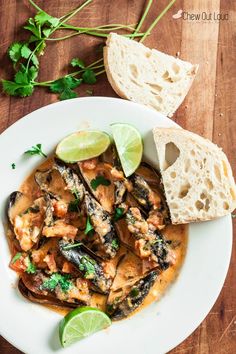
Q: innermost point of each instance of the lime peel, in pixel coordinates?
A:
(82, 145)
(81, 323)
(129, 146)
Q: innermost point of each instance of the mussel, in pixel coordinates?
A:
(103, 227)
(72, 180)
(142, 238)
(97, 176)
(42, 288)
(121, 308)
(27, 223)
(89, 268)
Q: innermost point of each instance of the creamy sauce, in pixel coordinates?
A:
(176, 233)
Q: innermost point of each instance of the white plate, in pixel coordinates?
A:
(158, 328)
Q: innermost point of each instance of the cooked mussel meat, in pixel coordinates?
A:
(121, 308)
(103, 227)
(90, 268)
(97, 176)
(27, 224)
(72, 180)
(55, 289)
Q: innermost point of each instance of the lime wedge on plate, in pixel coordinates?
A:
(80, 323)
(129, 146)
(82, 145)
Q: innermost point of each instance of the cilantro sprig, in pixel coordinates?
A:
(35, 150)
(57, 279)
(25, 54)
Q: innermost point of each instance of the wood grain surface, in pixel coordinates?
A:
(209, 109)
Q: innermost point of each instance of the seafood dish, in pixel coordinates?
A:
(83, 234)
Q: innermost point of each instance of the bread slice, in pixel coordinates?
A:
(147, 76)
(197, 176)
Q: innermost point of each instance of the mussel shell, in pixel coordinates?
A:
(134, 299)
(76, 255)
(45, 299)
(13, 199)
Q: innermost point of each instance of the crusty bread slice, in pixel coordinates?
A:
(147, 76)
(197, 176)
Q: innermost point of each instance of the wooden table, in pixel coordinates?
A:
(209, 109)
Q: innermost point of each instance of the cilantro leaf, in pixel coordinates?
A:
(55, 280)
(14, 89)
(77, 62)
(89, 76)
(65, 87)
(36, 150)
(119, 212)
(13, 166)
(33, 28)
(67, 94)
(74, 205)
(25, 51)
(134, 292)
(89, 227)
(87, 267)
(16, 257)
(31, 268)
(14, 51)
(42, 18)
(115, 244)
(99, 180)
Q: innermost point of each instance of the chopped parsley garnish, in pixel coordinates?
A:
(74, 205)
(89, 227)
(134, 292)
(99, 180)
(16, 257)
(119, 212)
(13, 166)
(72, 246)
(87, 266)
(36, 150)
(31, 268)
(115, 244)
(55, 280)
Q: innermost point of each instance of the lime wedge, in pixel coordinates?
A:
(80, 323)
(129, 146)
(82, 145)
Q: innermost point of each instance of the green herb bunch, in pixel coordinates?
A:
(25, 55)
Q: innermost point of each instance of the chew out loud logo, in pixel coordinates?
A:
(201, 16)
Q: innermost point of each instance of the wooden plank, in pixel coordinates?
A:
(199, 45)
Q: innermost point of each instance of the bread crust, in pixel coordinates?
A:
(198, 182)
(142, 95)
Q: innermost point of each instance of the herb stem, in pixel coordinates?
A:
(157, 20)
(62, 38)
(143, 16)
(70, 15)
(35, 5)
(100, 72)
(33, 52)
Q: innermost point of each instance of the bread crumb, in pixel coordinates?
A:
(178, 54)
(221, 114)
(219, 134)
